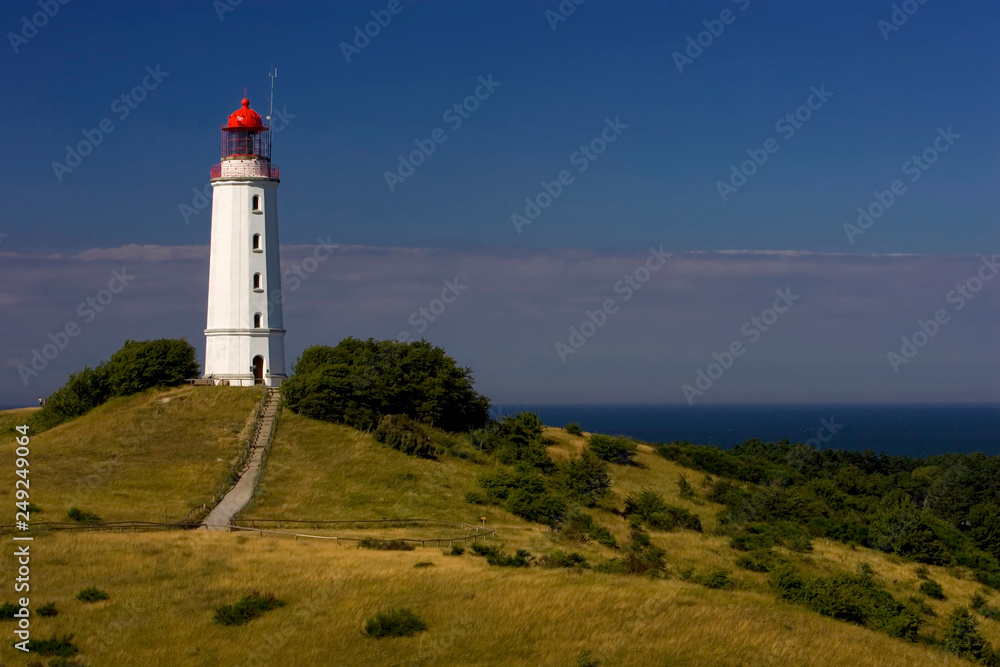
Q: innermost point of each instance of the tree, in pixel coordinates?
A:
(613, 448)
(584, 478)
(961, 637)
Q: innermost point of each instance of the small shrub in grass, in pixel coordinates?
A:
(394, 623)
(573, 429)
(47, 610)
(33, 508)
(612, 566)
(385, 545)
(977, 601)
(563, 559)
(685, 488)
(80, 516)
(587, 659)
(961, 637)
(61, 646)
(759, 560)
(932, 589)
(991, 613)
(475, 498)
(716, 579)
(7, 611)
(91, 595)
(424, 563)
(246, 609)
(920, 605)
(922, 572)
(64, 662)
(405, 434)
(613, 448)
(455, 551)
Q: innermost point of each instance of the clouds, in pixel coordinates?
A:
(518, 304)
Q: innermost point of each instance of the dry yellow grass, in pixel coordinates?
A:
(135, 457)
(164, 588)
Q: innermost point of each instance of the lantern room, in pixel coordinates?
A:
(245, 136)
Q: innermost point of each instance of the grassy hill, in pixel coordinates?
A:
(134, 458)
(141, 452)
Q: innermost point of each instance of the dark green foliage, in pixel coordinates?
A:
(7, 611)
(618, 449)
(650, 508)
(573, 429)
(47, 610)
(578, 525)
(853, 598)
(456, 550)
(715, 579)
(62, 662)
(641, 557)
(91, 595)
(394, 623)
(524, 494)
(760, 560)
(475, 498)
(932, 589)
(423, 563)
(922, 572)
(247, 609)
(563, 559)
(583, 479)
(385, 545)
(587, 659)
(81, 516)
(685, 488)
(358, 381)
(402, 433)
(137, 366)
(984, 527)
(991, 613)
(899, 527)
(57, 645)
(961, 637)
(494, 556)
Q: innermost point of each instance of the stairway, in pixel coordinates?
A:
(241, 493)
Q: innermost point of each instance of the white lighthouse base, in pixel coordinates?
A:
(226, 352)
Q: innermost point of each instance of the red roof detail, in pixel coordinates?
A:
(245, 117)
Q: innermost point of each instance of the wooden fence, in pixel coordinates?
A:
(257, 526)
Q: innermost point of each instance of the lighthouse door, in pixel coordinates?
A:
(258, 370)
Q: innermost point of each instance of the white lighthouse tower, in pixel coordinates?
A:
(245, 337)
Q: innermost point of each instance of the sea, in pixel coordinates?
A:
(913, 429)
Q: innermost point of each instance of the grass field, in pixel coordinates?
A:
(132, 457)
(136, 457)
(164, 588)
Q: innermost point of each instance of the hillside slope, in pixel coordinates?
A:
(136, 457)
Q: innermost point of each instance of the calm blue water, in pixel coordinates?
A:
(914, 430)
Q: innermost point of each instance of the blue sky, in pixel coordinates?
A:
(656, 184)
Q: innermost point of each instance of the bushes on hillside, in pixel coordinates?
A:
(357, 382)
(246, 609)
(137, 366)
(583, 479)
(402, 433)
(613, 448)
(394, 623)
(524, 494)
(961, 637)
(650, 508)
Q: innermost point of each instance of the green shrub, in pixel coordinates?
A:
(612, 566)
(57, 645)
(587, 659)
(563, 559)
(80, 516)
(475, 498)
(932, 589)
(47, 610)
(760, 560)
(402, 433)
(715, 579)
(456, 550)
(961, 637)
(494, 556)
(385, 545)
(618, 449)
(91, 595)
(246, 609)
(7, 611)
(394, 623)
(423, 563)
(990, 612)
(922, 572)
(686, 491)
(584, 478)
(573, 429)
(580, 526)
(650, 508)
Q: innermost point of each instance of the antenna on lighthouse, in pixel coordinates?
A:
(270, 109)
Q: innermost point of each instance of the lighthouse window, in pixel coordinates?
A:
(256, 203)
(257, 320)
(256, 243)
(256, 283)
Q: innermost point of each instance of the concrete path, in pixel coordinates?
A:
(240, 494)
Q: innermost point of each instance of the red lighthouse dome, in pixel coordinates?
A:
(245, 117)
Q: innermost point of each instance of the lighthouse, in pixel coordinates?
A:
(245, 336)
